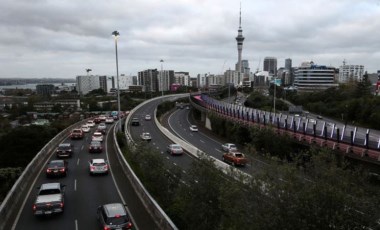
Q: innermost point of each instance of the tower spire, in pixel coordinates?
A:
(239, 40)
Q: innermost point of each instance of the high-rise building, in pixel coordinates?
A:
(270, 65)
(148, 79)
(350, 73)
(288, 64)
(182, 78)
(239, 40)
(165, 79)
(311, 77)
(45, 89)
(87, 83)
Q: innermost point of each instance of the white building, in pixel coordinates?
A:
(87, 83)
(202, 80)
(232, 76)
(124, 82)
(182, 78)
(311, 77)
(350, 73)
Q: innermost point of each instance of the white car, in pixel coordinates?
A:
(90, 123)
(174, 149)
(97, 136)
(85, 128)
(146, 136)
(193, 128)
(109, 120)
(313, 121)
(229, 147)
(98, 166)
(148, 117)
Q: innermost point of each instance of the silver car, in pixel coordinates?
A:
(98, 166)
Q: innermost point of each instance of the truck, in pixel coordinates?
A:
(235, 158)
(50, 199)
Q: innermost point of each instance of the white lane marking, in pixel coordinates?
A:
(82, 147)
(78, 161)
(175, 164)
(183, 171)
(76, 224)
(168, 158)
(75, 185)
(218, 150)
(202, 141)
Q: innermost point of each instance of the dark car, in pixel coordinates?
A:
(135, 121)
(64, 150)
(113, 216)
(95, 147)
(57, 168)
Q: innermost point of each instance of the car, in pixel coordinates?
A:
(313, 121)
(187, 107)
(109, 120)
(98, 166)
(50, 199)
(76, 134)
(102, 126)
(97, 120)
(229, 147)
(146, 136)
(135, 121)
(56, 168)
(113, 216)
(102, 118)
(91, 123)
(320, 117)
(85, 128)
(97, 136)
(148, 117)
(235, 158)
(64, 150)
(193, 128)
(174, 149)
(95, 147)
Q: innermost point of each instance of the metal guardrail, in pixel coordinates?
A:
(11, 203)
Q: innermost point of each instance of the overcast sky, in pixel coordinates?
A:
(62, 38)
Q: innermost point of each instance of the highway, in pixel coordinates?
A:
(159, 141)
(84, 193)
(179, 123)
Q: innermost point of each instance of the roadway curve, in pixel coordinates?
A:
(84, 193)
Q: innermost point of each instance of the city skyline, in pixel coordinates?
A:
(62, 39)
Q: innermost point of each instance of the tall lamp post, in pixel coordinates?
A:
(162, 80)
(274, 96)
(116, 35)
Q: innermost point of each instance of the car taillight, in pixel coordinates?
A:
(106, 167)
(34, 207)
(106, 228)
(62, 170)
(48, 170)
(129, 225)
(61, 204)
(92, 168)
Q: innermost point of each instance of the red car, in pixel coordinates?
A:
(76, 134)
(235, 158)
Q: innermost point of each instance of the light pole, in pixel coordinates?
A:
(116, 34)
(162, 80)
(274, 96)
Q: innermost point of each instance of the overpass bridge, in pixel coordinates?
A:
(353, 142)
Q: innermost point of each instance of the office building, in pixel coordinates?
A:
(349, 73)
(270, 65)
(87, 83)
(311, 77)
(45, 89)
(148, 79)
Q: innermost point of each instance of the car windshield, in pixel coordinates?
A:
(76, 131)
(176, 147)
(53, 164)
(49, 191)
(99, 164)
(95, 143)
(239, 155)
(118, 219)
(64, 147)
(232, 146)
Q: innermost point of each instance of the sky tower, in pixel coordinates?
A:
(239, 40)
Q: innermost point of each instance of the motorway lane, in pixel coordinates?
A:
(179, 123)
(159, 141)
(83, 193)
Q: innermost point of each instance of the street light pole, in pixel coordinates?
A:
(116, 34)
(162, 80)
(274, 96)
